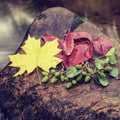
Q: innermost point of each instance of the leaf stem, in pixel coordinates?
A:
(98, 57)
(39, 80)
(117, 78)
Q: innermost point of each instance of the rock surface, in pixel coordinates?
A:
(22, 98)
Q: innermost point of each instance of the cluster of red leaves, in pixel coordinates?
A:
(79, 46)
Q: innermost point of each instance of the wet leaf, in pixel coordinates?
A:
(112, 55)
(102, 45)
(102, 79)
(100, 63)
(72, 72)
(114, 72)
(36, 56)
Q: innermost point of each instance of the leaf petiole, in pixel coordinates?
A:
(39, 80)
(102, 56)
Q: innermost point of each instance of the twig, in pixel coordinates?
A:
(102, 56)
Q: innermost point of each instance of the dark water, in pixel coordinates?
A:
(16, 16)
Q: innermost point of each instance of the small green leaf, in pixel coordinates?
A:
(113, 59)
(79, 77)
(69, 85)
(62, 78)
(53, 80)
(44, 73)
(45, 79)
(108, 68)
(100, 63)
(72, 72)
(112, 55)
(87, 78)
(53, 71)
(79, 67)
(66, 79)
(102, 79)
(90, 70)
(111, 51)
(57, 74)
(74, 82)
(114, 72)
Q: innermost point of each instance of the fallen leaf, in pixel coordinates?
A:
(101, 63)
(79, 35)
(112, 55)
(36, 56)
(48, 37)
(102, 79)
(75, 53)
(81, 53)
(68, 44)
(72, 72)
(102, 45)
(114, 72)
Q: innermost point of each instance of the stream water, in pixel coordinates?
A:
(16, 16)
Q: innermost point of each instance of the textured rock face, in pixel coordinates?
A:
(22, 98)
(18, 15)
(54, 24)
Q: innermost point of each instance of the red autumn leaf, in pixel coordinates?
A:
(102, 45)
(76, 50)
(81, 53)
(78, 35)
(68, 45)
(48, 37)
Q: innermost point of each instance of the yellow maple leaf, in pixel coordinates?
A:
(36, 56)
